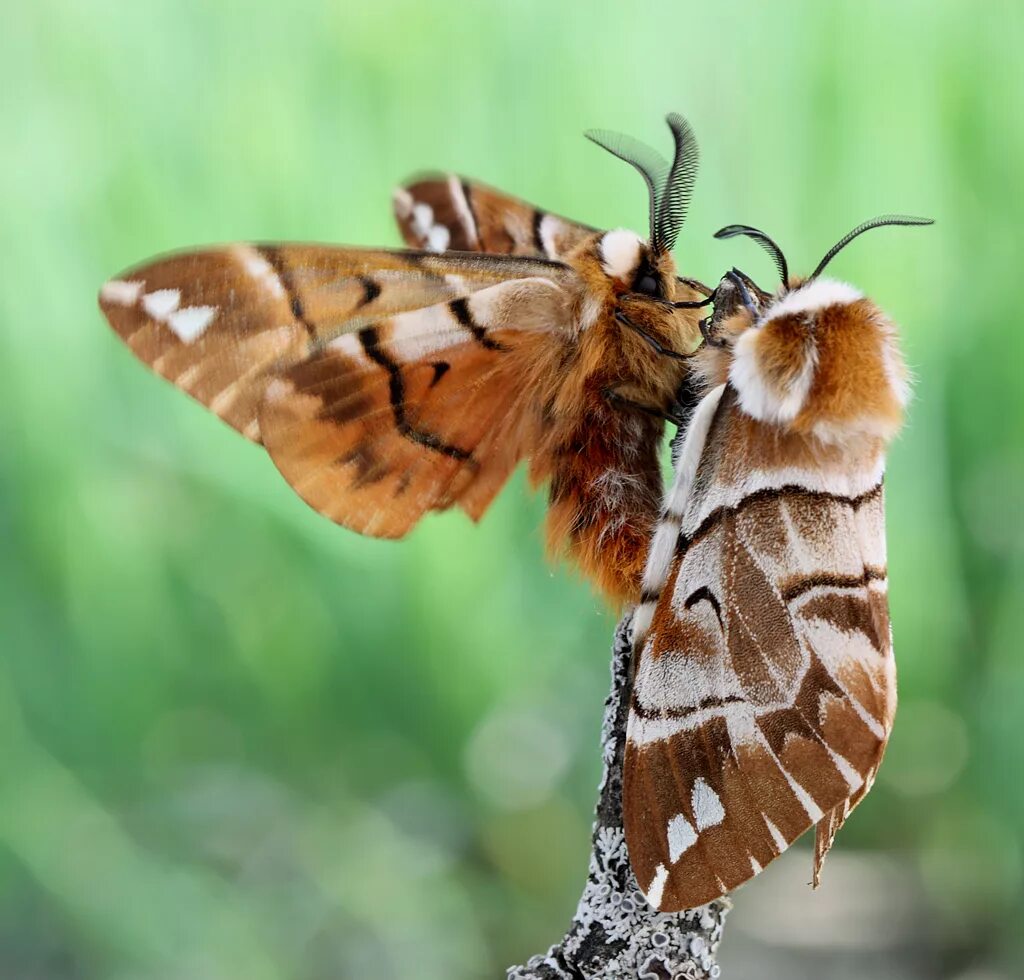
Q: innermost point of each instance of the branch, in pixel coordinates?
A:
(615, 934)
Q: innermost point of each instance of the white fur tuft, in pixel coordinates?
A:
(758, 398)
(620, 253)
(816, 295)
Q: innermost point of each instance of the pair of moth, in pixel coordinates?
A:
(389, 383)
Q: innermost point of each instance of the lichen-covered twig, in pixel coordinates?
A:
(615, 933)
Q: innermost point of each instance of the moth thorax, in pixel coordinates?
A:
(822, 360)
(621, 251)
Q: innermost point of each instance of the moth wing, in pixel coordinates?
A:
(419, 411)
(442, 212)
(220, 323)
(765, 685)
(383, 384)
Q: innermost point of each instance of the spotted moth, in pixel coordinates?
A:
(764, 684)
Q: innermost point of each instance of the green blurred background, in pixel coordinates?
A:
(237, 741)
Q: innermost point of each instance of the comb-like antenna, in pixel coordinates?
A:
(668, 185)
(678, 185)
(651, 165)
(731, 231)
(885, 219)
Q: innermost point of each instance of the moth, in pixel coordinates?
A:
(764, 684)
(386, 384)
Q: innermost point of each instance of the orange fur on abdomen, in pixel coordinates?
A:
(605, 494)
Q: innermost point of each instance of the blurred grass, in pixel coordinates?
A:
(238, 741)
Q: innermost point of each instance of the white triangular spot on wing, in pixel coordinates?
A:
(754, 866)
(681, 836)
(780, 841)
(657, 886)
(122, 292)
(707, 807)
(422, 219)
(190, 322)
(161, 302)
(438, 238)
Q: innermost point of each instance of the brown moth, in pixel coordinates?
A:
(764, 683)
(387, 384)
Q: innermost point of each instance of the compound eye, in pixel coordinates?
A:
(647, 284)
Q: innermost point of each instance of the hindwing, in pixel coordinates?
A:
(442, 212)
(764, 684)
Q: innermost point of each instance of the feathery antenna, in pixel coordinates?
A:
(731, 231)
(879, 222)
(669, 186)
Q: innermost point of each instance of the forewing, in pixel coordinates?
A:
(383, 384)
(222, 322)
(765, 687)
(444, 211)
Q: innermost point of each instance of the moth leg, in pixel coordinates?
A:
(709, 338)
(696, 284)
(653, 341)
(617, 398)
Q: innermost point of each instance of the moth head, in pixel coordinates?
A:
(817, 357)
(630, 268)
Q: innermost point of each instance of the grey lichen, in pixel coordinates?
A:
(615, 933)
